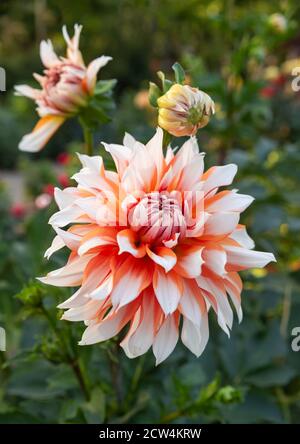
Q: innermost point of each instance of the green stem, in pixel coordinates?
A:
(116, 371)
(166, 140)
(88, 138)
(73, 361)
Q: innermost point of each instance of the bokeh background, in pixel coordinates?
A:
(243, 54)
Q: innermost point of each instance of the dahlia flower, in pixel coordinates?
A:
(66, 86)
(152, 244)
(183, 109)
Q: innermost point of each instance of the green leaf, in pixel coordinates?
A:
(154, 94)
(94, 410)
(166, 84)
(179, 73)
(104, 86)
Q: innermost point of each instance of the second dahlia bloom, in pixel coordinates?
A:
(66, 86)
(154, 246)
(183, 109)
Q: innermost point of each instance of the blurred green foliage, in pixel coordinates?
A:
(227, 48)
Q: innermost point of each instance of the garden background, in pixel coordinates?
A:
(241, 54)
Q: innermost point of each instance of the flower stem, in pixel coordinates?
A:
(88, 138)
(166, 140)
(73, 361)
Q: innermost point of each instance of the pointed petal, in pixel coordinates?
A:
(127, 241)
(228, 201)
(168, 289)
(47, 54)
(163, 256)
(131, 277)
(241, 236)
(193, 337)
(220, 224)
(92, 71)
(240, 258)
(218, 177)
(27, 91)
(166, 339)
(44, 129)
(189, 260)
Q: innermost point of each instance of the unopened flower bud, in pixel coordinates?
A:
(184, 109)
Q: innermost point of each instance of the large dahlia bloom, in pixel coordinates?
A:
(153, 245)
(66, 86)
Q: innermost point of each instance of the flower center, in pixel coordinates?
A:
(195, 115)
(53, 76)
(157, 217)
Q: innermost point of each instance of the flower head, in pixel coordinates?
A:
(153, 243)
(66, 85)
(182, 110)
(278, 22)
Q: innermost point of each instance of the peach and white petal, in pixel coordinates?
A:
(109, 326)
(141, 334)
(128, 242)
(172, 242)
(92, 71)
(56, 245)
(98, 237)
(68, 215)
(166, 339)
(239, 258)
(195, 338)
(120, 154)
(154, 147)
(218, 177)
(41, 133)
(191, 173)
(129, 141)
(84, 312)
(131, 277)
(168, 289)
(233, 286)
(215, 259)
(189, 260)
(47, 54)
(92, 163)
(28, 91)
(98, 271)
(163, 256)
(220, 224)
(192, 304)
(228, 201)
(68, 276)
(241, 236)
(216, 295)
(65, 198)
(104, 288)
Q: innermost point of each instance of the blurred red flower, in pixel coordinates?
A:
(63, 158)
(49, 189)
(18, 210)
(63, 180)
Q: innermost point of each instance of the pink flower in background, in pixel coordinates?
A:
(63, 180)
(63, 158)
(49, 189)
(43, 201)
(66, 86)
(18, 210)
(155, 244)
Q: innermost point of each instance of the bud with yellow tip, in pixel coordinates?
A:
(182, 110)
